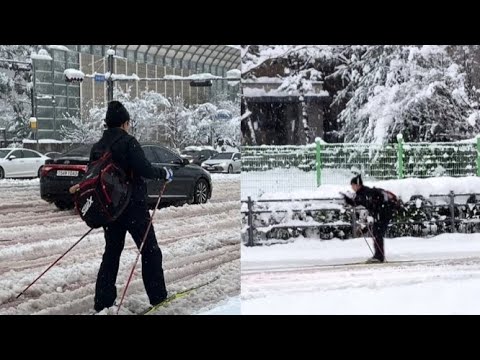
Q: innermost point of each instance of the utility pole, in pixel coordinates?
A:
(110, 53)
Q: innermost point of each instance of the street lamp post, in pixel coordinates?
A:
(34, 127)
(54, 118)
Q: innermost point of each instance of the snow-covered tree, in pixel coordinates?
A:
(428, 93)
(227, 126)
(145, 111)
(15, 85)
(415, 90)
(84, 131)
(150, 112)
(175, 120)
(145, 114)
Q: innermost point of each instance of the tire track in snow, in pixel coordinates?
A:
(187, 268)
(28, 246)
(198, 242)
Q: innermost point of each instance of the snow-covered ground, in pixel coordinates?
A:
(228, 307)
(199, 242)
(235, 178)
(298, 278)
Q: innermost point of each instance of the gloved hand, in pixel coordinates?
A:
(74, 189)
(168, 174)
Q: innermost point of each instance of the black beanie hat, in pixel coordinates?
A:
(116, 114)
(357, 180)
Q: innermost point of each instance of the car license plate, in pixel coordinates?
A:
(67, 173)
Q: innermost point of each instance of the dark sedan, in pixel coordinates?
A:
(197, 156)
(191, 184)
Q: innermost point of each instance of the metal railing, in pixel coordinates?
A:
(454, 221)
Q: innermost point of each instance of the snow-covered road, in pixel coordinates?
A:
(298, 278)
(199, 242)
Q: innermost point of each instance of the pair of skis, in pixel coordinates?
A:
(176, 296)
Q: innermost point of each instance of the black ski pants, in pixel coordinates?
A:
(135, 220)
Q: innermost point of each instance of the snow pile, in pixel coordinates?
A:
(58, 47)
(234, 74)
(259, 92)
(124, 77)
(45, 141)
(199, 148)
(473, 118)
(42, 55)
(295, 183)
(202, 76)
(74, 74)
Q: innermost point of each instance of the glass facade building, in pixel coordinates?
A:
(55, 99)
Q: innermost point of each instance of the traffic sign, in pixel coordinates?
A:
(99, 77)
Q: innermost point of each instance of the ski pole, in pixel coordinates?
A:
(65, 253)
(141, 247)
(364, 238)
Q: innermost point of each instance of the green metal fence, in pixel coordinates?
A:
(277, 169)
(287, 168)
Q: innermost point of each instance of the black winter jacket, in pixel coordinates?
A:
(129, 155)
(374, 201)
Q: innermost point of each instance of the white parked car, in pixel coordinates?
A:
(16, 163)
(229, 162)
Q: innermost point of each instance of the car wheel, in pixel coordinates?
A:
(62, 205)
(2, 173)
(230, 169)
(200, 192)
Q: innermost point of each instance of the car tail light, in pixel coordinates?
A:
(45, 169)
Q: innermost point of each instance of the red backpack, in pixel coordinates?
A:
(391, 199)
(104, 192)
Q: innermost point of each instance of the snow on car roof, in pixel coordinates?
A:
(198, 148)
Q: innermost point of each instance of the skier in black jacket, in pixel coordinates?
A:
(128, 154)
(380, 205)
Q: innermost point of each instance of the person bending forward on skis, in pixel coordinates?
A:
(380, 205)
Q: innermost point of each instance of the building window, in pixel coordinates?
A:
(87, 49)
(131, 55)
(98, 50)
